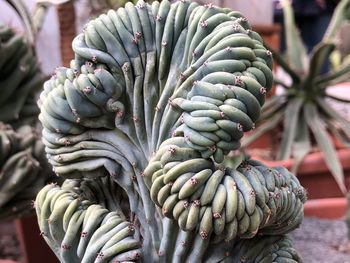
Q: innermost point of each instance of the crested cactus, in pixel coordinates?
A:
(139, 127)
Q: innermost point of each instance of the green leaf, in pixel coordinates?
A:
(302, 143)
(39, 15)
(283, 63)
(318, 57)
(273, 101)
(325, 144)
(339, 133)
(337, 98)
(340, 15)
(272, 106)
(290, 125)
(333, 114)
(26, 18)
(296, 51)
(280, 82)
(262, 129)
(343, 69)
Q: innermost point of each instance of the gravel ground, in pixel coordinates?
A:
(321, 241)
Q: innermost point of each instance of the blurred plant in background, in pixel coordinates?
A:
(23, 167)
(303, 112)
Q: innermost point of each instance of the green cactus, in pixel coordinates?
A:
(22, 170)
(139, 127)
(20, 78)
(23, 166)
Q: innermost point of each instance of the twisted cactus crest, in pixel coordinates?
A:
(139, 127)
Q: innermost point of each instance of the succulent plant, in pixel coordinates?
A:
(20, 78)
(22, 170)
(23, 167)
(139, 127)
(304, 109)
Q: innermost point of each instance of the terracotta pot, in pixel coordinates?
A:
(33, 246)
(315, 176)
(263, 142)
(327, 208)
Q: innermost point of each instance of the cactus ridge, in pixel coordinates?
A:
(247, 200)
(156, 97)
(266, 249)
(82, 230)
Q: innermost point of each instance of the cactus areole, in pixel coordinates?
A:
(139, 127)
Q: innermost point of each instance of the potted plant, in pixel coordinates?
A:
(302, 113)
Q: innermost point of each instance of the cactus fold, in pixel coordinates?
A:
(139, 127)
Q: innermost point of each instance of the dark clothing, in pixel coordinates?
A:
(311, 17)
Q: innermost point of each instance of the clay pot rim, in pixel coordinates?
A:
(312, 163)
(326, 208)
